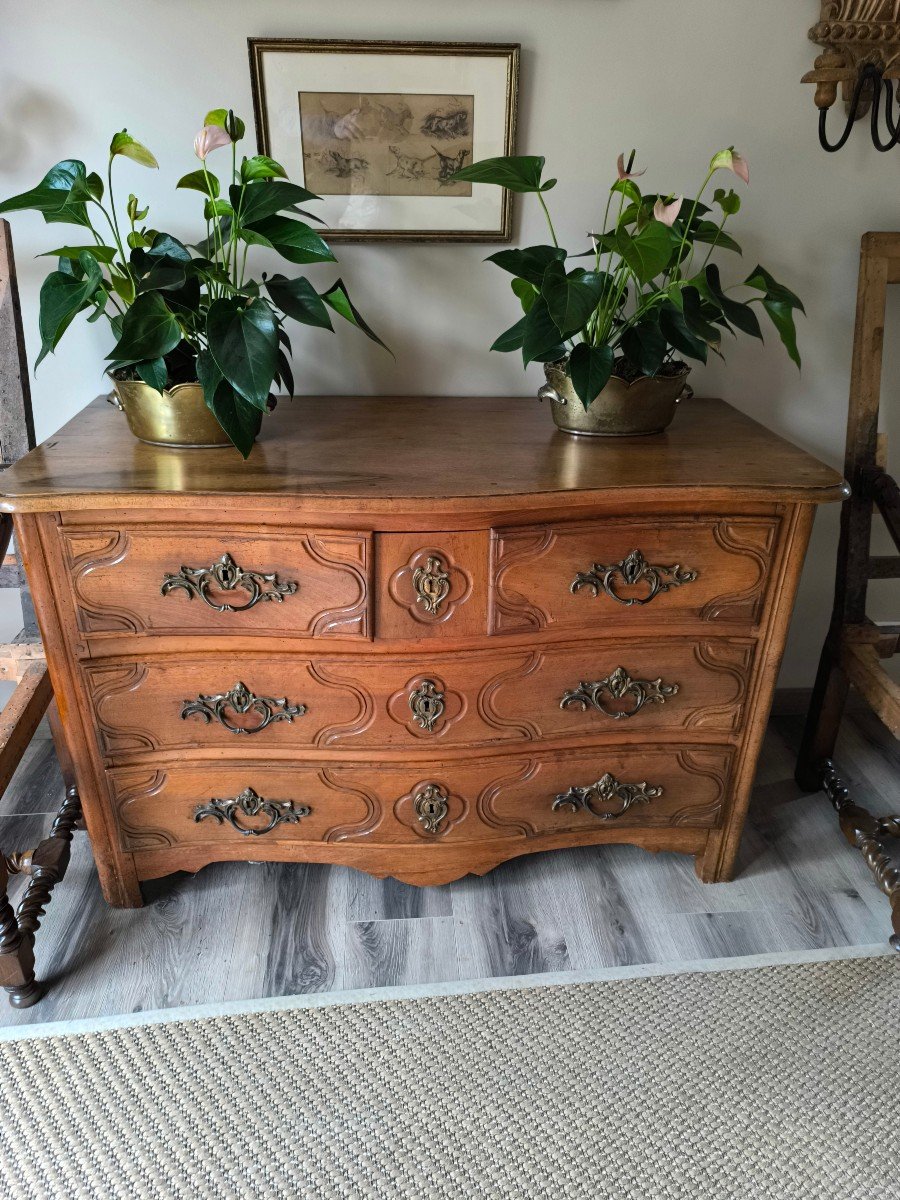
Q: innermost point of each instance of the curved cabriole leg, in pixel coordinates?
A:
(46, 866)
(867, 833)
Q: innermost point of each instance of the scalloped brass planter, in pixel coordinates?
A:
(648, 405)
(175, 417)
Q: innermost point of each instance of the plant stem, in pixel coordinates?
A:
(715, 241)
(549, 222)
(114, 223)
(690, 221)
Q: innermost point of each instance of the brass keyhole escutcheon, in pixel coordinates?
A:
(427, 705)
(432, 585)
(431, 805)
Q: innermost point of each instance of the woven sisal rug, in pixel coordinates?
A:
(759, 1083)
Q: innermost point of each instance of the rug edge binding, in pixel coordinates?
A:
(427, 991)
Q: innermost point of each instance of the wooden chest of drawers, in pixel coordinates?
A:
(418, 637)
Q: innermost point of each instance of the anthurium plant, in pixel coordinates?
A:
(651, 289)
(184, 314)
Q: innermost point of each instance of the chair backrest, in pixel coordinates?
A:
(16, 420)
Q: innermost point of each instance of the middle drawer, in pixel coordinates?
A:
(252, 701)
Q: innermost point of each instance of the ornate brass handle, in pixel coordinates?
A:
(431, 805)
(619, 686)
(226, 576)
(241, 701)
(607, 790)
(632, 570)
(250, 804)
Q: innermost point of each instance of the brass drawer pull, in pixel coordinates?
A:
(241, 700)
(431, 805)
(607, 790)
(249, 804)
(431, 584)
(633, 570)
(619, 686)
(226, 576)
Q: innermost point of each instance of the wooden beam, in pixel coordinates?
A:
(861, 664)
(20, 718)
(16, 422)
(17, 657)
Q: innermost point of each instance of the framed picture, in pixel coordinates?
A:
(377, 129)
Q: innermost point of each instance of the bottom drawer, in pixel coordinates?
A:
(402, 804)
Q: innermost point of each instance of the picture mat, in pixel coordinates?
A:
(286, 73)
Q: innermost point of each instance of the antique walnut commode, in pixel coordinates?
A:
(418, 637)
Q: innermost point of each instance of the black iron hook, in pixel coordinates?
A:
(869, 76)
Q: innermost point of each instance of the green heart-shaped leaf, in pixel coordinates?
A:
(261, 200)
(298, 298)
(590, 368)
(243, 339)
(61, 196)
(530, 264)
(571, 299)
(648, 252)
(540, 335)
(294, 240)
(516, 174)
(149, 330)
(338, 298)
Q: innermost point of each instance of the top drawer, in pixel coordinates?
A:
(631, 572)
(157, 579)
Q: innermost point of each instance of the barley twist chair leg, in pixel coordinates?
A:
(867, 833)
(46, 866)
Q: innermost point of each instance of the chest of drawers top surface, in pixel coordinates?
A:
(384, 454)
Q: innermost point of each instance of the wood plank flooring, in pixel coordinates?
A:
(242, 931)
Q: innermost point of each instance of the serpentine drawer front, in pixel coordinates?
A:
(440, 803)
(413, 637)
(278, 702)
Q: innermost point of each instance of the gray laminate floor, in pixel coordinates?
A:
(244, 931)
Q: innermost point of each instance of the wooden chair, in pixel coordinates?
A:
(855, 646)
(22, 661)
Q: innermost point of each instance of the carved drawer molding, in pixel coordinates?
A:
(143, 579)
(638, 571)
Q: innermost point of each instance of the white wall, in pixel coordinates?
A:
(679, 79)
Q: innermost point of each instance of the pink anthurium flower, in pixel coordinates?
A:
(208, 139)
(730, 160)
(628, 172)
(668, 213)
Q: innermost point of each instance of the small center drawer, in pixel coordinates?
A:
(141, 579)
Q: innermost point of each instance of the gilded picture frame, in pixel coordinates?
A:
(377, 128)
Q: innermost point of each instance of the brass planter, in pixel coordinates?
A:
(175, 417)
(621, 410)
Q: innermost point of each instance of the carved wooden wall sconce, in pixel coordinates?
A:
(861, 40)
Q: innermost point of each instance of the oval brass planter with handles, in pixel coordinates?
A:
(621, 410)
(177, 416)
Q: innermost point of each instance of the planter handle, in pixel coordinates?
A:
(114, 400)
(550, 393)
